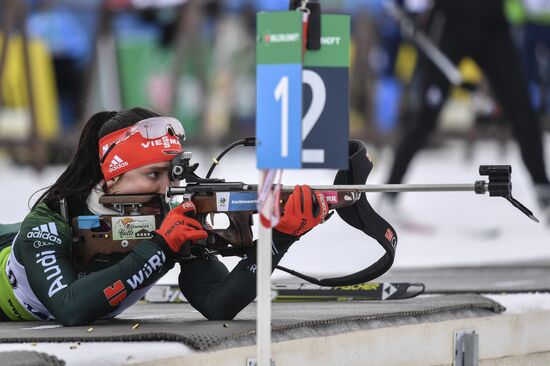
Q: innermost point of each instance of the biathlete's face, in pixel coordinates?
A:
(136, 159)
(151, 178)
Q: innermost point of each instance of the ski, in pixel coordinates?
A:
(302, 292)
(164, 294)
(362, 291)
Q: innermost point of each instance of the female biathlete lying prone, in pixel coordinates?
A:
(126, 152)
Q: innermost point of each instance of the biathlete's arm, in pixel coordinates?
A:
(43, 246)
(219, 294)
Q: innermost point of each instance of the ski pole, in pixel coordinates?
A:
(447, 67)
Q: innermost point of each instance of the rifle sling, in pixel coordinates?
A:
(362, 216)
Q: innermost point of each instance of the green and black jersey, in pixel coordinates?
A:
(37, 280)
(45, 285)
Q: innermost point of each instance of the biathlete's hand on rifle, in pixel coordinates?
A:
(178, 227)
(303, 211)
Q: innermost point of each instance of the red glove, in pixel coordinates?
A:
(303, 211)
(177, 228)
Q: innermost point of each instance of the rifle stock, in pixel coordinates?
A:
(101, 240)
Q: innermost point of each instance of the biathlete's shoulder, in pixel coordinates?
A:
(43, 228)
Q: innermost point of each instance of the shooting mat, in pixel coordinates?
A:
(181, 323)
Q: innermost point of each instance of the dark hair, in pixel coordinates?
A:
(84, 172)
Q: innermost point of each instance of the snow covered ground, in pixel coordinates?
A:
(464, 228)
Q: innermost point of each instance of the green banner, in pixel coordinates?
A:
(279, 38)
(145, 68)
(335, 43)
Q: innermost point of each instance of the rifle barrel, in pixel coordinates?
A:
(479, 187)
(394, 188)
(398, 188)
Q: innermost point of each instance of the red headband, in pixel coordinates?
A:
(134, 151)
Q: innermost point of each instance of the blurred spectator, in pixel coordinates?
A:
(480, 30)
(67, 27)
(533, 19)
(374, 89)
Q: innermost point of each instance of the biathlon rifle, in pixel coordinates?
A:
(238, 201)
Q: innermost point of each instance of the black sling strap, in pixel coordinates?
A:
(361, 216)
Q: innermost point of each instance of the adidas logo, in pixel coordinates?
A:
(117, 163)
(46, 232)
